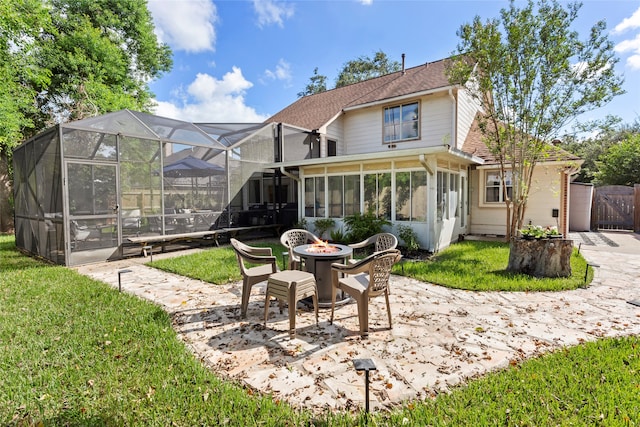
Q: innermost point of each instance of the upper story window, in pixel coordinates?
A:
(493, 186)
(401, 122)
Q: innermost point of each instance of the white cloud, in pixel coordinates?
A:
(633, 62)
(366, 2)
(272, 12)
(631, 45)
(185, 25)
(282, 72)
(628, 23)
(208, 99)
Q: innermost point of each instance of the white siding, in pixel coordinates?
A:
(467, 109)
(335, 131)
(544, 196)
(363, 128)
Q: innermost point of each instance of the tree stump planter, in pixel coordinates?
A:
(541, 257)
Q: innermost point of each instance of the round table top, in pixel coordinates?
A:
(344, 251)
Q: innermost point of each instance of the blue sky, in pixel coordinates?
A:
(243, 61)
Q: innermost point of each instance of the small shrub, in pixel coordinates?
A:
(302, 224)
(338, 236)
(409, 237)
(361, 226)
(322, 225)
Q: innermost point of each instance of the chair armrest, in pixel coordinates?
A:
(356, 268)
(261, 259)
(260, 251)
(364, 243)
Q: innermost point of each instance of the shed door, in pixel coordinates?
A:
(93, 211)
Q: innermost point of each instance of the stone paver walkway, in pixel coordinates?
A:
(440, 338)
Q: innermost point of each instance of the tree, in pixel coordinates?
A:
(364, 68)
(603, 134)
(620, 165)
(317, 84)
(64, 60)
(101, 54)
(20, 25)
(532, 75)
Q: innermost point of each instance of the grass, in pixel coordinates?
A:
(470, 265)
(74, 351)
(481, 266)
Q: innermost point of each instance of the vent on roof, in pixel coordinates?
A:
(403, 63)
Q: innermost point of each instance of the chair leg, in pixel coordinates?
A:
(315, 305)
(386, 296)
(246, 291)
(363, 314)
(266, 306)
(334, 290)
(292, 312)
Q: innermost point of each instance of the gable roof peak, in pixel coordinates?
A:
(315, 111)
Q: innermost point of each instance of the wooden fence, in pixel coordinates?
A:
(616, 207)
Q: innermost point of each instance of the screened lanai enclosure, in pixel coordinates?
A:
(84, 189)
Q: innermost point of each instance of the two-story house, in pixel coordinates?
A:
(407, 147)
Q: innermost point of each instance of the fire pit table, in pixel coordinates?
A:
(318, 259)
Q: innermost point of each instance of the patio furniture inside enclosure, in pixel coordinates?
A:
(83, 188)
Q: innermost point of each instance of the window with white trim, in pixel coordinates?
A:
(493, 192)
(401, 122)
(411, 196)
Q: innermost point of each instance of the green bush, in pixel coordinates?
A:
(338, 236)
(322, 225)
(361, 226)
(409, 238)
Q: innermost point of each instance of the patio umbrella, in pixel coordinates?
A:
(191, 167)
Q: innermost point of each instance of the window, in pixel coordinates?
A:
(314, 197)
(493, 187)
(411, 196)
(377, 194)
(441, 197)
(401, 122)
(332, 148)
(344, 195)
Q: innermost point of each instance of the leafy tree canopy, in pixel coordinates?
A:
(365, 68)
(101, 55)
(600, 136)
(532, 74)
(620, 164)
(354, 71)
(20, 25)
(317, 84)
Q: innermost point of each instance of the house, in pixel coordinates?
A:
(407, 147)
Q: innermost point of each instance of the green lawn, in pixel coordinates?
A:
(471, 265)
(74, 351)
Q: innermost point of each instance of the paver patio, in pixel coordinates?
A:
(441, 337)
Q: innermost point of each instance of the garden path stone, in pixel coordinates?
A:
(440, 338)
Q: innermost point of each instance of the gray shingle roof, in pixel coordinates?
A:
(313, 111)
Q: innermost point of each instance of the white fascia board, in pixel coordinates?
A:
(401, 98)
(539, 163)
(428, 151)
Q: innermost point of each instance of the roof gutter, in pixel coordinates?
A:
(424, 164)
(289, 174)
(357, 158)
